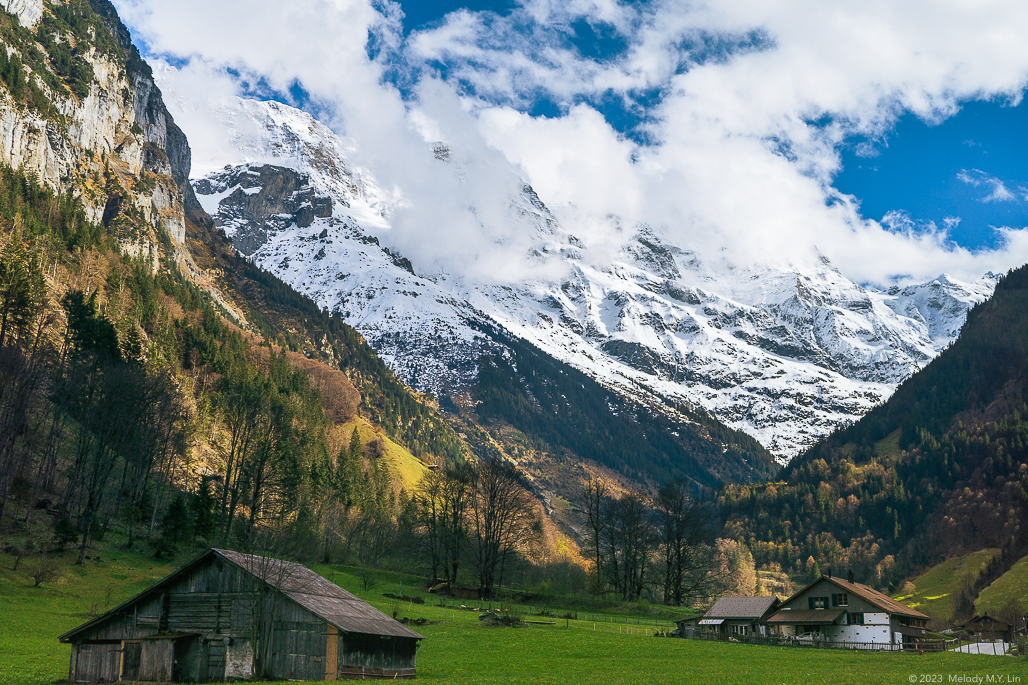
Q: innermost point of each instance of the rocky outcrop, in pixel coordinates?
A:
(260, 201)
(29, 12)
(152, 116)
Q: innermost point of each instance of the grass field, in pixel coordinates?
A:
(460, 649)
(1012, 585)
(937, 588)
(405, 467)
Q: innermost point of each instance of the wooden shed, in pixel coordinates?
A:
(986, 627)
(230, 616)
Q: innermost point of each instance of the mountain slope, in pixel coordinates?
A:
(306, 225)
(785, 353)
(151, 381)
(940, 469)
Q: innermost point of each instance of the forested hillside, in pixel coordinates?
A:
(568, 412)
(153, 386)
(939, 470)
(128, 402)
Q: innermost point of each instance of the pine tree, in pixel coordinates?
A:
(177, 527)
(21, 289)
(204, 507)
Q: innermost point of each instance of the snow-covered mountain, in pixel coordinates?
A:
(785, 353)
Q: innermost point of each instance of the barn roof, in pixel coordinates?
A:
(321, 597)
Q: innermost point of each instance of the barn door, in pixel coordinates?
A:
(131, 657)
(332, 653)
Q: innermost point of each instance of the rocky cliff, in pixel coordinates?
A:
(98, 128)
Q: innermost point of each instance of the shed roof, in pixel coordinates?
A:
(321, 597)
(880, 600)
(741, 607)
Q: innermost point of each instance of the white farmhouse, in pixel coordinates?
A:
(845, 611)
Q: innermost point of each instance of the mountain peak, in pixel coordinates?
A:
(785, 353)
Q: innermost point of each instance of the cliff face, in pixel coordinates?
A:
(100, 130)
(29, 12)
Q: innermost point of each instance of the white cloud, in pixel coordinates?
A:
(734, 162)
(998, 191)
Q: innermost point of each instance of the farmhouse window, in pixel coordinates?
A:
(840, 600)
(856, 619)
(818, 602)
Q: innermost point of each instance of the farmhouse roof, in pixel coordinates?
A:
(321, 597)
(806, 616)
(871, 595)
(741, 607)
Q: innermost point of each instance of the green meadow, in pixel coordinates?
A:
(937, 588)
(460, 649)
(1010, 588)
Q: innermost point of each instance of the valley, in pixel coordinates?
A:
(254, 354)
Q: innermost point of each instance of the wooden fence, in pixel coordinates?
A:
(784, 641)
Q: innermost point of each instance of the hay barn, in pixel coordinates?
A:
(227, 616)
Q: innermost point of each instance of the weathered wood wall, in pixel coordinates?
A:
(378, 652)
(157, 660)
(95, 663)
(298, 650)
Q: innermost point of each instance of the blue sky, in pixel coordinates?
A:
(938, 172)
(876, 134)
(951, 169)
(418, 14)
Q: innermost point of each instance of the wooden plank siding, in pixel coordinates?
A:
(157, 660)
(96, 663)
(298, 650)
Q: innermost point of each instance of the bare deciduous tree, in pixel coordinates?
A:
(628, 541)
(595, 496)
(44, 570)
(502, 522)
(685, 523)
(442, 501)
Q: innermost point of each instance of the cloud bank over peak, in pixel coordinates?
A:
(718, 125)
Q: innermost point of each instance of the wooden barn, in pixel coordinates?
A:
(230, 616)
(986, 627)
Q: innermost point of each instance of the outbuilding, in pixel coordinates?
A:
(228, 615)
(732, 616)
(987, 627)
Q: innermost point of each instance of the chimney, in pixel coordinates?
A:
(829, 574)
(849, 575)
